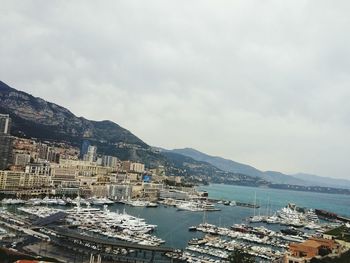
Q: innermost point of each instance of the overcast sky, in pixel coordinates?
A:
(260, 82)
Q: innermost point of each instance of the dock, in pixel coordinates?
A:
(331, 216)
(237, 203)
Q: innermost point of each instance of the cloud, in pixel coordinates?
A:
(261, 82)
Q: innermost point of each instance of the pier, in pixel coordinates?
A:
(44, 235)
(110, 249)
(331, 216)
(108, 243)
(236, 203)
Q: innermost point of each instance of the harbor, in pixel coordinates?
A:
(134, 230)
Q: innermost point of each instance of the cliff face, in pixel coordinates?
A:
(35, 117)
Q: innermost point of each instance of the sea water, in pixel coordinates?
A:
(173, 224)
(278, 198)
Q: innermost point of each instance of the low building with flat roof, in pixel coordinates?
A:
(313, 247)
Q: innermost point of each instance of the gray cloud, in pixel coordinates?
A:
(261, 82)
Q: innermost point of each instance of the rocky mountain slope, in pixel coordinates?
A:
(35, 117)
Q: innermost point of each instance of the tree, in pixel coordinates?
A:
(239, 256)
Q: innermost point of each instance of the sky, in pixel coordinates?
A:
(261, 82)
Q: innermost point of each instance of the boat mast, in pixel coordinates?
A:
(78, 201)
(254, 204)
(268, 206)
(204, 217)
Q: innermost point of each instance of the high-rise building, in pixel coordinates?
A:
(5, 123)
(5, 151)
(84, 148)
(109, 161)
(5, 141)
(91, 154)
(42, 150)
(137, 167)
(52, 155)
(21, 159)
(126, 166)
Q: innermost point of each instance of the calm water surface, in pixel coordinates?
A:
(339, 204)
(173, 224)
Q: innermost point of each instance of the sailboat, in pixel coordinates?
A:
(255, 218)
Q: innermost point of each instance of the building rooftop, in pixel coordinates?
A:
(311, 243)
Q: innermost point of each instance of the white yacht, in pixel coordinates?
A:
(151, 204)
(138, 203)
(34, 201)
(189, 206)
(100, 201)
(311, 216)
(11, 201)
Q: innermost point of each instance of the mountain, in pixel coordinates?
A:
(302, 179)
(221, 163)
(235, 167)
(57, 122)
(207, 172)
(323, 181)
(37, 118)
(34, 117)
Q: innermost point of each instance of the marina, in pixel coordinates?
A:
(94, 221)
(208, 235)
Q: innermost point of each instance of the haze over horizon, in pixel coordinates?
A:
(264, 83)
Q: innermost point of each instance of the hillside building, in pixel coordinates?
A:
(21, 159)
(134, 167)
(42, 149)
(11, 180)
(84, 148)
(5, 151)
(43, 169)
(5, 123)
(91, 154)
(6, 142)
(159, 171)
(110, 161)
(137, 167)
